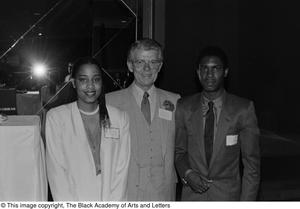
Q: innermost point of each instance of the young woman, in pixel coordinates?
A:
(88, 142)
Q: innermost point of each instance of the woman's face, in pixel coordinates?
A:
(88, 84)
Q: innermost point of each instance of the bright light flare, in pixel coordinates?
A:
(39, 70)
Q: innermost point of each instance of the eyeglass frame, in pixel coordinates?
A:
(153, 64)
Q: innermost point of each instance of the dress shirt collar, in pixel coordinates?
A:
(218, 102)
(139, 93)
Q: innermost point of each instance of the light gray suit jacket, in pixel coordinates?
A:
(237, 138)
(125, 100)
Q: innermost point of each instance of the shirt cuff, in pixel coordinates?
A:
(188, 171)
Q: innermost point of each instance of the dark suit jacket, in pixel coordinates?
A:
(237, 121)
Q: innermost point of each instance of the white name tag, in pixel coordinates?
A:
(113, 133)
(165, 114)
(231, 140)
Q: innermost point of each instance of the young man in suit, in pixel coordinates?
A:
(151, 110)
(215, 131)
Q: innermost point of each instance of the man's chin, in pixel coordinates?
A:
(147, 84)
(210, 88)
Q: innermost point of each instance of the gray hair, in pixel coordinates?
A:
(146, 44)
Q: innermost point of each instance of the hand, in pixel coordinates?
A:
(198, 183)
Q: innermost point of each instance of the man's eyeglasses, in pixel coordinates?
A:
(214, 68)
(142, 63)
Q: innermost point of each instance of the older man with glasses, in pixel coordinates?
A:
(152, 175)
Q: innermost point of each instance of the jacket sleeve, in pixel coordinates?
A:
(250, 148)
(119, 184)
(56, 162)
(170, 173)
(181, 141)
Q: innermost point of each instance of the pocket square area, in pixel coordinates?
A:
(231, 140)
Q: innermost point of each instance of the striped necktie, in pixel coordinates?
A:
(145, 107)
(209, 131)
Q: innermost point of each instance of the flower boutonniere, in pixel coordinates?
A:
(168, 105)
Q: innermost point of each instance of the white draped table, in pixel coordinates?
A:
(22, 160)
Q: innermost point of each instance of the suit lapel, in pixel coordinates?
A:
(78, 126)
(132, 108)
(223, 125)
(197, 126)
(159, 100)
(81, 137)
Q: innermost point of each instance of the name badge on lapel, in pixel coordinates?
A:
(113, 133)
(164, 114)
(231, 140)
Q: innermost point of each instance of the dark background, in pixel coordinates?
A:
(261, 38)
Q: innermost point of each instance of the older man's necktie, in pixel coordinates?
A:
(209, 131)
(145, 107)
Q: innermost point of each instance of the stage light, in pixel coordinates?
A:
(39, 70)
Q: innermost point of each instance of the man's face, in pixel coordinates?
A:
(145, 65)
(211, 74)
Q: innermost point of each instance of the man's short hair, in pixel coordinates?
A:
(146, 44)
(215, 51)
